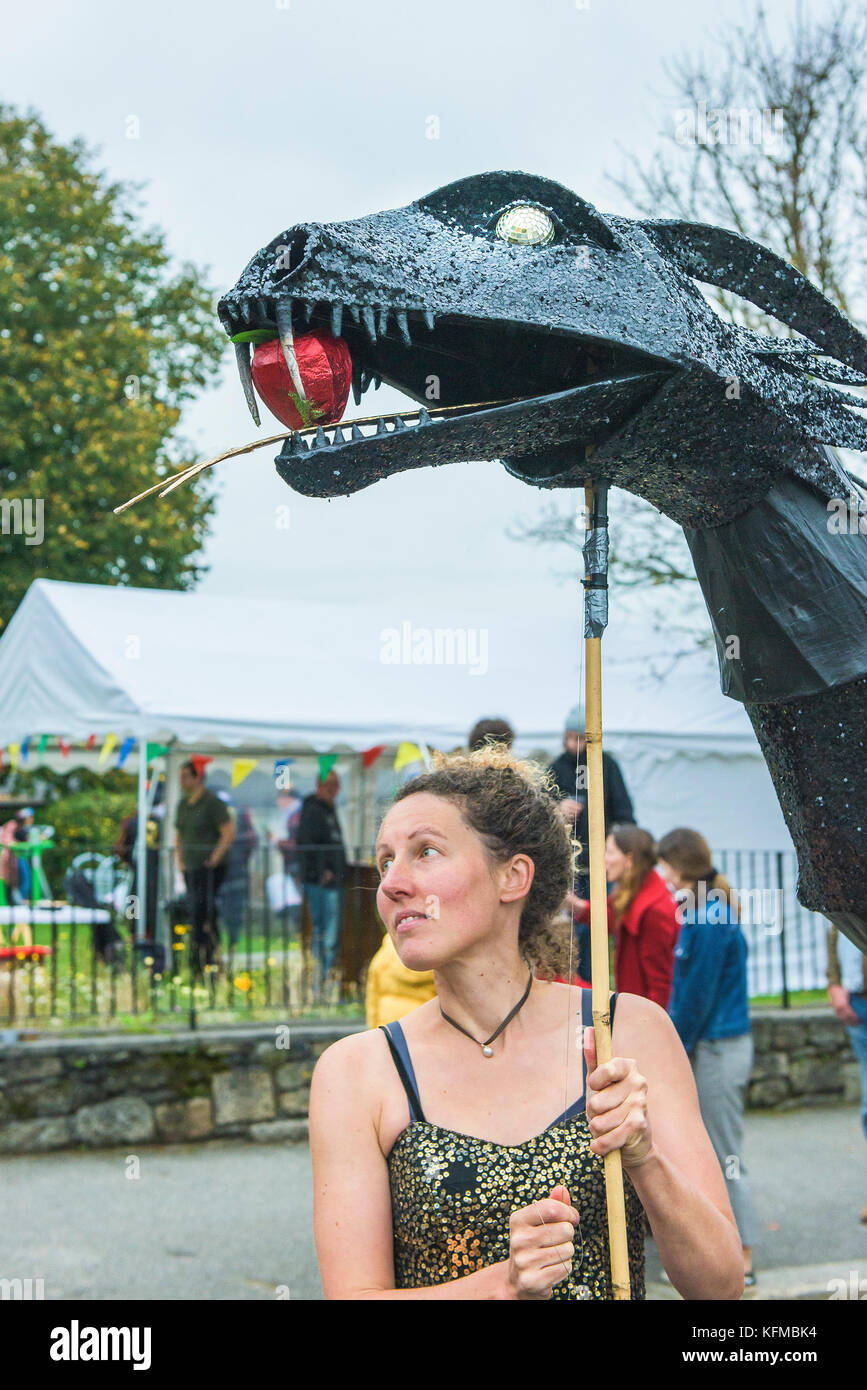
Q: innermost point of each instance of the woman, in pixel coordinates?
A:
(641, 912)
(454, 1159)
(710, 1010)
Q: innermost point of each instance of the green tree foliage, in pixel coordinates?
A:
(102, 341)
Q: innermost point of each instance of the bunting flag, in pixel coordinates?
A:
(408, 753)
(370, 755)
(326, 763)
(64, 747)
(91, 740)
(241, 768)
(155, 750)
(25, 749)
(14, 751)
(200, 762)
(125, 749)
(110, 741)
(42, 742)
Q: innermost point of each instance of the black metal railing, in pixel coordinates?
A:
(787, 943)
(252, 937)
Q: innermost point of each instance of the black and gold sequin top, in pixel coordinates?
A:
(452, 1194)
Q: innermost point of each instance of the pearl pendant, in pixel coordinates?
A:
(487, 1051)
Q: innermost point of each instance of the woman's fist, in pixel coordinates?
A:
(541, 1245)
(617, 1106)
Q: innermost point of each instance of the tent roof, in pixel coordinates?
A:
(78, 659)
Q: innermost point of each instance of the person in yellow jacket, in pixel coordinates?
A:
(392, 990)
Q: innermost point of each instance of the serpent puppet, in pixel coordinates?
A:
(529, 327)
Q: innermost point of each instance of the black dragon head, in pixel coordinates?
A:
(534, 330)
(528, 326)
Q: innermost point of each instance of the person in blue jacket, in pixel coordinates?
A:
(710, 1010)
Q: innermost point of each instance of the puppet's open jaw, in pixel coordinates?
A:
(488, 389)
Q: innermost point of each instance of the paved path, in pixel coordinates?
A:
(230, 1220)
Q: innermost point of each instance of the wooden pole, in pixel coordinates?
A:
(599, 938)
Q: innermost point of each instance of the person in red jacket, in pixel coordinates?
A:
(641, 913)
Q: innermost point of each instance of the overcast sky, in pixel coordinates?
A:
(254, 114)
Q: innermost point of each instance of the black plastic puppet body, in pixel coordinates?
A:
(533, 326)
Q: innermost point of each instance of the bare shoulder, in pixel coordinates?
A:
(641, 1027)
(351, 1077)
(634, 1011)
(352, 1060)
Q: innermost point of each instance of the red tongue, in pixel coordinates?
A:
(326, 371)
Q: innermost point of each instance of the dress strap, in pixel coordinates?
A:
(394, 1036)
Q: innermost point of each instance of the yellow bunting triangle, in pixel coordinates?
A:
(241, 768)
(408, 753)
(110, 741)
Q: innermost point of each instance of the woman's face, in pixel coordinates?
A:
(439, 893)
(616, 862)
(671, 875)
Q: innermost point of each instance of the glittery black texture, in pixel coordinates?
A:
(602, 337)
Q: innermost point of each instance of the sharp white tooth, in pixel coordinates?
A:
(336, 319)
(423, 417)
(400, 424)
(367, 320)
(403, 326)
(357, 433)
(355, 312)
(356, 389)
(428, 318)
(382, 322)
(377, 382)
(242, 357)
(380, 426)
(338, 436)
(321, 439)
(287, 343)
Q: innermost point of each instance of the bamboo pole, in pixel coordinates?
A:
(614, 1195)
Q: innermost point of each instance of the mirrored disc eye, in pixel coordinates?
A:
(525, 226)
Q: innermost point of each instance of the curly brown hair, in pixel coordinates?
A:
(510, 803)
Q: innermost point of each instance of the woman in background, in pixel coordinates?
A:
(641, 913)
(709, 1009)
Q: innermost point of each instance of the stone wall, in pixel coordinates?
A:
(212, 1084)
(802, 1057)
(254, 1083)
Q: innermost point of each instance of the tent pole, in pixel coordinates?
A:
(141, 844)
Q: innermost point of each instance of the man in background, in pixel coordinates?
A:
(322, 866)
(204, 830)
(569, 771)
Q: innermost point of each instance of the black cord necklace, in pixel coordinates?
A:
(487, 1050)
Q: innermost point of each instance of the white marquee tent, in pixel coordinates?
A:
(202, 672)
